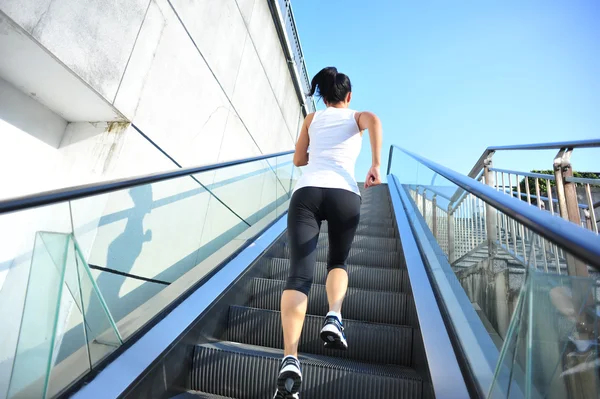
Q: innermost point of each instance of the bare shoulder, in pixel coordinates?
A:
(308, 120)
(365, 114)
(365, 118)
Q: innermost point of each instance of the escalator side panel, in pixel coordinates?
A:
(172, 371)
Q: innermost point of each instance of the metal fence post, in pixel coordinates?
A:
(451, 252)
(425, 205)
(560, 187)
(434, 216)
(588, 219)
(569, 205)
(490, 211)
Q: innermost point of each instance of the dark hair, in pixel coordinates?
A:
(333, 86)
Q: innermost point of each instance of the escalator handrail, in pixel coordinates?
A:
(87, 190)
(580, 242)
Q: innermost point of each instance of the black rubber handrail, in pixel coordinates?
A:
(580, 242)
(89, 190)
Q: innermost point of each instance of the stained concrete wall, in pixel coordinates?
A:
(205, 81)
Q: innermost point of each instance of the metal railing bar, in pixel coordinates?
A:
(279, 20)
(528, 174)
(592, 213)
(460, 192)
(583, 243)
(540, 146)
(548, 146)
(92, 189)
(508, 192)
(432, 189)
(593, 182)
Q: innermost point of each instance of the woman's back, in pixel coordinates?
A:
(335, 142)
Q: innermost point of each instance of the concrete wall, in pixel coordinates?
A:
(205, 81)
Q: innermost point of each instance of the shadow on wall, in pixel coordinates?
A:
(122, 254)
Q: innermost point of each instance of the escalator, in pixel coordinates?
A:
(240, 358)
(450, 296)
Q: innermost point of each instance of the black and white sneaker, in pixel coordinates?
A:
(289, 380)
(333, 333)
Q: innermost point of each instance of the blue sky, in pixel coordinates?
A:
(449, 79)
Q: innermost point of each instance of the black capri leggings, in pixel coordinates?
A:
(308, 207)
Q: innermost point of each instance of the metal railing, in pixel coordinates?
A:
(88, 190)
(294, 53)
(500, 218)
(564, 200)
(500, 253)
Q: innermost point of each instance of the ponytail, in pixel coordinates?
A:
(333, 87)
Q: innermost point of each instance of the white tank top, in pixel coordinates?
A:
(335, 143)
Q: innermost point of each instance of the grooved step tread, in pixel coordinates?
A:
(388, 222)
(365, 277)
(357, 256)
(323, 377)
(199, 395)
(372, 231)
(368, 205)
(366, 305)
(367, 242)
(376, 210)
(367, 342)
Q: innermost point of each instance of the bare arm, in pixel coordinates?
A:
(370, 121)
(301, 154)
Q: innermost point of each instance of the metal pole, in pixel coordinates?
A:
(451, 251)
(390, 160)
(425, 205)
(512, 221)
(434, 217)
(490, 211)
(570, 190)
(560, 188)
(550, 198)
(588, 219)
(521, 228)
(591, 210)
(574, 265)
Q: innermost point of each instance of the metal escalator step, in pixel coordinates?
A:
(365, 277)
(373, 205)
(373, 192)
(370, 205)
(250, 372)
(387, 222)
(376, 218)
(199, 395)
(368, 342)
(361, 241)
(373, 209)
(370, 199)
(365, 305)
(357, 256)
(368, 230)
